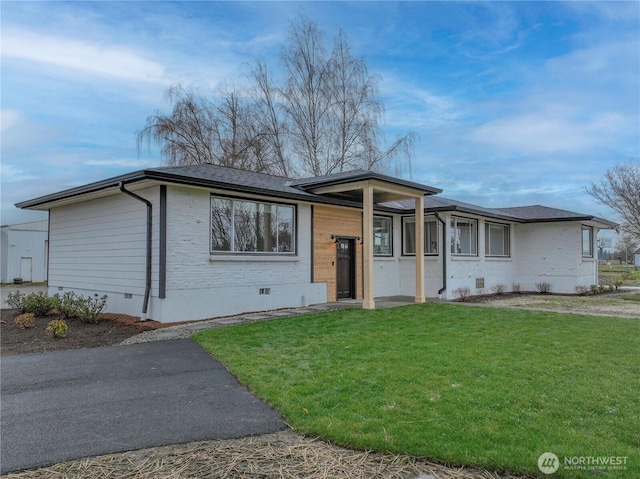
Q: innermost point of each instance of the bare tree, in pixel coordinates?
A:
(332, 106)
(323, 119)
(270, 124)
(221, 131)
(620, 191)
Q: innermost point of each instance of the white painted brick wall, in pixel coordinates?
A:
(202, 285)
(552, 253)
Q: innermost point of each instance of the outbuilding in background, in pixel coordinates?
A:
(636, 259)
(24, 251)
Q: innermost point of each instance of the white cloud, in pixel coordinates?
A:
(13, 173)
(590, 64)
(108, 61)
(9, 118)
(619, 11)
(551, 130)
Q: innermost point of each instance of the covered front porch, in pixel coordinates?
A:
(367, 189)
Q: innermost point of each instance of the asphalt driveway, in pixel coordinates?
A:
(69, 404)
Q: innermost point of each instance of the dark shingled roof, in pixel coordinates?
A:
(213, 176)
(358, 175)
(519, 214)
(221, 176)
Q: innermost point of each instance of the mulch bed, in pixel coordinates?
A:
(109, 330)
(282, 455)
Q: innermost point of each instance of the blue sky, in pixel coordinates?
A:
(515, 103)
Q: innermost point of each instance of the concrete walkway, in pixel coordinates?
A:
(182, 331)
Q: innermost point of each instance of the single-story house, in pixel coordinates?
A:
(194, 242)
(23, 252)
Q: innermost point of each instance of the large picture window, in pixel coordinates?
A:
(409, 236)
(382, 234)
(464, 236)
(248, 226)
(496, 239)
(587, 242)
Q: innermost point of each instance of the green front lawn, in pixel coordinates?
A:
(486, 387)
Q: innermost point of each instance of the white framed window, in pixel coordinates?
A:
(587, 241)
(239, 226)
(382, 236)
(409, 236)
(464, 236)
(496, 239)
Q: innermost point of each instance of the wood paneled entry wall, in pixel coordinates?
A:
(345, 224)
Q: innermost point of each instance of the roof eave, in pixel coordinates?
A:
(369, 175)
(163, 177)
(82, 190)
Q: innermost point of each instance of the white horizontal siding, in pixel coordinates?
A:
(100, 246)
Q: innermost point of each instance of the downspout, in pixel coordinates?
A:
(147, 289)
(444, 254)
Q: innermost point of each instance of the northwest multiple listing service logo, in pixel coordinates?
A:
(548, 463)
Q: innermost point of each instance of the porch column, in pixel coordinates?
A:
(367, 246)
(419, 249)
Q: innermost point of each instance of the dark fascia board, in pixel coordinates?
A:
(504, 217)
(514, 219)
(165, 177)
(311, 184)
(450, 208)
(602, 221)
(83, 190)
(302, 196)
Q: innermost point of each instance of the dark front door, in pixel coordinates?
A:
(345, 284)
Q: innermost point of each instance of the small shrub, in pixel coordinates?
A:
(58, 328)
(582, 290)
(594, 289)
(617, 283)
(543, 287)
(461, 293)
(88, 309)
(15, 299)
(498, 289)
(37, 303)
(515, 287)
(67, 304)
(25, 320)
